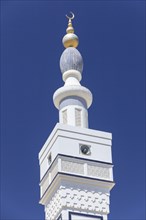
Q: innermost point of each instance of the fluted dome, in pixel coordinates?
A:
(71, 59)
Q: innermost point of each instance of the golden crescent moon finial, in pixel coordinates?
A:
(70, 39)
(71, 18)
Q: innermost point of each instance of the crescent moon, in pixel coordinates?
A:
(71, 18)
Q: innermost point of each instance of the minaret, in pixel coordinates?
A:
(76, 170)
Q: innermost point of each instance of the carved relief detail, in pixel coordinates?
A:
(72, 167)
(77, 199)
(98, 171)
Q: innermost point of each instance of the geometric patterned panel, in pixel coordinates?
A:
(77, 199)
(86, 168)
(97, 171)
(64, 116)
(78, 117)
(72, 167)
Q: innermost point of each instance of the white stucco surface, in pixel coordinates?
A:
(66, 140)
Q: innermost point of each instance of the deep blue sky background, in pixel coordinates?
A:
(112, 43)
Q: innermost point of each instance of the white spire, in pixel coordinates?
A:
(72, 99)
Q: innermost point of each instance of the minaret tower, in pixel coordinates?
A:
(76, 170)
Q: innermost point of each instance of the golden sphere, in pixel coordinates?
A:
(69, 30)
(70, 40)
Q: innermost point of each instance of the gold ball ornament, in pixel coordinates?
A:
(70, 40)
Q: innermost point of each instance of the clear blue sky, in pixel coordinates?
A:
(112, 43)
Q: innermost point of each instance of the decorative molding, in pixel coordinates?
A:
(78, 167)
(80, 158)
(78, 199)
(90, 135)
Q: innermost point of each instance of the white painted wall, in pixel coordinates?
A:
(67, 142)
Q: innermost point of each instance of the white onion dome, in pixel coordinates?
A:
(71, 59)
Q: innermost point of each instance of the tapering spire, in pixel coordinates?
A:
(72, 99)
(70, 28)
(70, 39)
